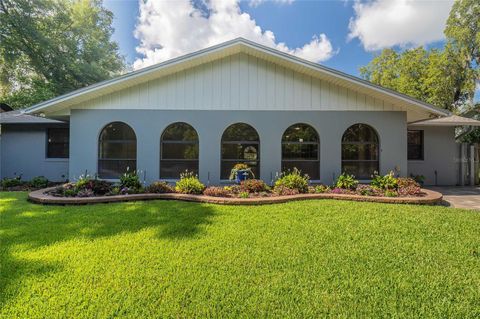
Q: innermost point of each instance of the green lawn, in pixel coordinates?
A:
(175, 259)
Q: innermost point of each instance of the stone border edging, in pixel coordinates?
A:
(39, 196)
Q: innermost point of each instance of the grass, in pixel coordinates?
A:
(174, 259)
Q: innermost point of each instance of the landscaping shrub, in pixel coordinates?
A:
(39, 182)
(319, 189)
(411, 190)
(130, 180)
(99, 187)
(346, 181)
(293, 180)
(254, 186)
(338, 190)
(189, 184)
(159, 188)
(404, 182)
(244, 194)
(387, 182)
(391, 193)
(216, 191)
(11, 182)
(367, 190)
(285, 191)
(85, 193)
(114, 191)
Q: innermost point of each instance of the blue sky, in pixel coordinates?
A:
(342, 34)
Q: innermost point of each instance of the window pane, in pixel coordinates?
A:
(58, 143)
(360, 133)
(227, 166)
(180, 132)
(173, 169)
(240, 151)
(113, 150)
(311, 168)
(117, 150)
(117, 131)
(361, 169)
(179, 151)
(240, 132)
(300, 133)
(415, 145)
(115, 168)
(359, 152)
(300, 151)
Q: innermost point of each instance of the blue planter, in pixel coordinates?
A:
(241, 175)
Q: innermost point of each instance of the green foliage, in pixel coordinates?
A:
(391, 193)
(39, 182)
(11, 182)
(244, 194)
(443, 77)
(51, 47)
(254, 186)
(159, 188)
(293, 180)
(189, 184)
(130, 180)
(319, 189)
(346, 181)
(386, 182)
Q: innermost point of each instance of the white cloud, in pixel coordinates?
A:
(255, 3)
(385, 23)
(167, 29)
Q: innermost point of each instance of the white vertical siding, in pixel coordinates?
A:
(240, 82)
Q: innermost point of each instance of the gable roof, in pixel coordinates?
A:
(225, 49)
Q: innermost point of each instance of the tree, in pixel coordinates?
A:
(51, 47)
(443, 77)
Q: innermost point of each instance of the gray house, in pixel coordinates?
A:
(237, 102)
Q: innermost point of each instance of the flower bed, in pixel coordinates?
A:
(289, 186)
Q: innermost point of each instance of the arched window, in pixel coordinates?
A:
(178, 150)
(360, 151)
(117, 150)
(240, 144)
(300, 149)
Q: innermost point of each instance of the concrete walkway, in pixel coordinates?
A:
(460, 197)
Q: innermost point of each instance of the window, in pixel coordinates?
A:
(415, 145)
(300, 149)
(240, 144)
(58, 142)
(178, 150)
(117, 150)
(360, 151)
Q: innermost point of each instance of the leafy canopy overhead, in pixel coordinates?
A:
(51, 47)
(443, 77)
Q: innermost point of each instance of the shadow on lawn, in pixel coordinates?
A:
(25, 226)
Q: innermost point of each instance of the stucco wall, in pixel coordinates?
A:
(85, 126)
(440, 155)
(23, 151)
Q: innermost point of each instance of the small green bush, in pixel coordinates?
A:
(39, 182)
(130, 180)
(388, 181)
(254, 186)
(346, 181)
(391, 193)
(11, 182)
(319, 189)
(159, 188)
(189, 184)
(293, 180)
(244, 194)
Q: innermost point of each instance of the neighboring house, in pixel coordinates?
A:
(235, 102)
